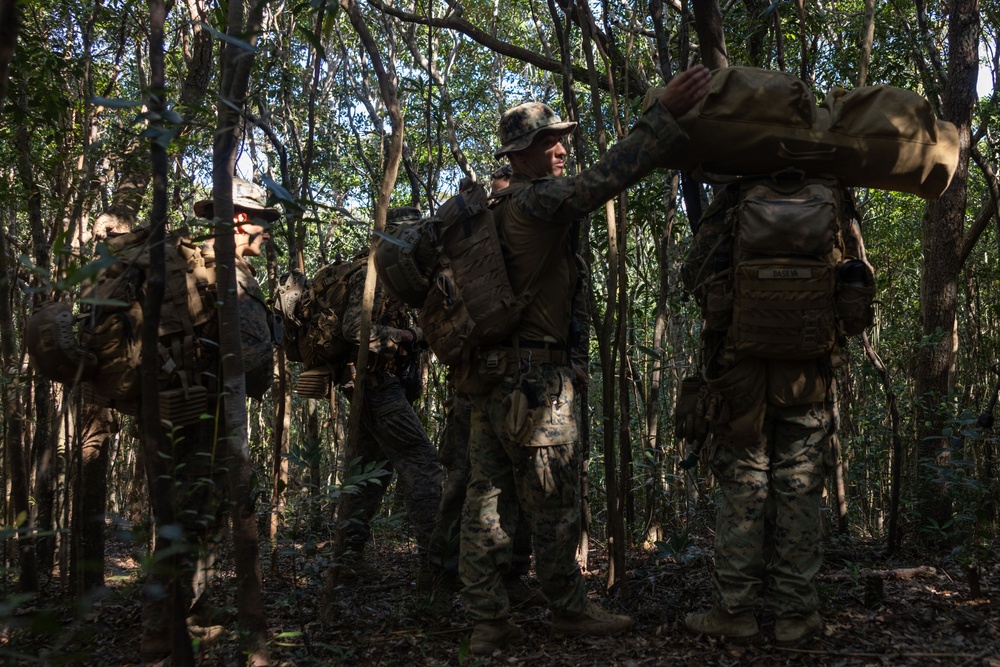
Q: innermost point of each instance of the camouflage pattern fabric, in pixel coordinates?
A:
(200, 482)
(537, 215)
(768, 531)
(199, 472)
(518, 126)
(389, 319)
(453, 454)
(392, 433)
(543, 479)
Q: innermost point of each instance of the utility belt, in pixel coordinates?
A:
(506, 359)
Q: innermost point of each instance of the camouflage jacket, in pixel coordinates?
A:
(536, 217)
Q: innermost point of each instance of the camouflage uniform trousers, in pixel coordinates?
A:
(540, 469)
(453, 454)
(768, 533)
(392, 433)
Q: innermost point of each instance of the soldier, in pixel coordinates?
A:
(500, 178)
(390, 429)
(770, 453)
(524, 445)
(199, 459)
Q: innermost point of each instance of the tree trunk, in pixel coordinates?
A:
(236, 64)
(13, 440)
(388, 83)
(96, 426)
(942, 242)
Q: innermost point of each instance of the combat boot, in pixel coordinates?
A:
(738, 628)
(792, 632)
(488, 636)
(593, 620)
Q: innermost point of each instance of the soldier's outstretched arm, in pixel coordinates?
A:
(685, 89)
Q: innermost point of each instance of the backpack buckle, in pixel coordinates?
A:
(492, 359)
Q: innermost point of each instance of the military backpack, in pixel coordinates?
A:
(313, 313)
(782, 283)
(108, 329)
(468, 300)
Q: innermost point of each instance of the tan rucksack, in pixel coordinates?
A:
(318, 339)
(755, 122)
(789, 289)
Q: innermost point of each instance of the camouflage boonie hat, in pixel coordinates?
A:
(247, 197)
(519, 126)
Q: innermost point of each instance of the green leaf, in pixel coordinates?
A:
(227, 38)
(114, 102)
(314, 41)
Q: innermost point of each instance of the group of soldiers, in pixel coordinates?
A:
(511, 451)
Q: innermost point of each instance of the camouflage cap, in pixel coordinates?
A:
(521, 125)
(247, 197)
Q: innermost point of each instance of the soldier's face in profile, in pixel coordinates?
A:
(249, 236)
(546, 156)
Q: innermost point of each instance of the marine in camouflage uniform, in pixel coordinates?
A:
(198, 457)
(524, 445)
(454, 449)
(768, 530)
(391, 433)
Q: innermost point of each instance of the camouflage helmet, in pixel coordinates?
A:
(247, 197)
(521, 125)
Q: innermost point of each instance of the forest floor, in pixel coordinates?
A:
(903, 611)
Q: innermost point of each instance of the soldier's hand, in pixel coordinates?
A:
(685, 89)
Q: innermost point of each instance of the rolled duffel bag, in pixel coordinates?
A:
(756, 121)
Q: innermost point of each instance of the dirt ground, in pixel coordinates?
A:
(902, 612)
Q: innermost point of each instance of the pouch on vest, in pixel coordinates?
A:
(691, 411)
(855, 301)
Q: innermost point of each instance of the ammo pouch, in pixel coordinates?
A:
(742, 401)
(691, 414)
(855, 297)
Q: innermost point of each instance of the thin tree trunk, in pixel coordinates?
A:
(13, 401)
(236, 64)
(87, 549)
(153, 437)
(388, 83)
